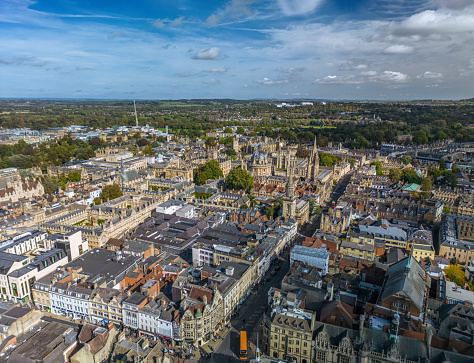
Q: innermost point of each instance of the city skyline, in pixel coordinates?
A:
(283, 49)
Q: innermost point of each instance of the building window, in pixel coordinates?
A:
(344, 359)
(321, 355)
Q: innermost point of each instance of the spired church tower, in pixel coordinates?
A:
(313, 165)
(289, 200)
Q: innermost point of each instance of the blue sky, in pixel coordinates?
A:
(172, 49)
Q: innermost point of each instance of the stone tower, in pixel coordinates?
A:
(289, 200)
(235, 144)
(313, 165)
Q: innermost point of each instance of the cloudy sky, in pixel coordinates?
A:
(171, 49)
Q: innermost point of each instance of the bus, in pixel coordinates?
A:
(243, 345)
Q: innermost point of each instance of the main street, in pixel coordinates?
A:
(250, 314)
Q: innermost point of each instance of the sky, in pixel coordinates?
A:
(241, 49)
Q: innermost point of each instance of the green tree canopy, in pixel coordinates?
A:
(426, 184)
(110, 192)
(442, 164)
(210, 142)
(352, 161)
(209, 170)
(50, 185)
(228, 130)
(240, 130)
(395, 174)
(450, 178)
(410, 176)
(328, 159)
(405, 159)
(239, 179)
(378, 167)
(302, 152)
(74, 176)
(231, 152)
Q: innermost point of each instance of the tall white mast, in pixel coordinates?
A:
(136, 116)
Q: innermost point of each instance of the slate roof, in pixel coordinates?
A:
(408, 281)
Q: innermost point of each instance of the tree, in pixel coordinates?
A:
(328, 159)
(352, 161)
(110, 192)
(426, 184)
(435, 173)
(239, 179)
(302, 152)
(446, 209)
(456, 274)
(240, 130)
(74, 176)
(410, 176)
(405, 159)
(378, 167)
(450, 178)
(455, 169)
(231, 153)
(395, 174)
(97, 201)
(442, 164)
(210, 142)
(50, 185)
(209, 170)
(133, 150)
(142, 142)
(147, 150)
(228, 130)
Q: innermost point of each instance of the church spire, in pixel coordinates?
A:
(315, 159)
(315, 146)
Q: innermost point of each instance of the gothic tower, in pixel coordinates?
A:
(235, 144)
(315, 159)
(289, 200)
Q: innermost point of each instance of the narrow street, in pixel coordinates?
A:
(249, 316)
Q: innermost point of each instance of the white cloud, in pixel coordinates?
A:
(212, 20)
(399, 49)
(353, 65)
(115, 35)
(437, 22)
(208, 53)
(178, 21)
(187, 74)
(85, 68)
(290, 69)
(365, 77)
(298, 7)
(390, 76)
(212, 81)
(270, 82)
(159, 23)
(217, 69)
(429, 74)
(234, 9)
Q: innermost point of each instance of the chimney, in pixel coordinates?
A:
(229, 270)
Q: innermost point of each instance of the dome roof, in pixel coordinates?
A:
(259, 154)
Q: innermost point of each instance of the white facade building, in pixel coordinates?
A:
(70, 300)
(316, 257)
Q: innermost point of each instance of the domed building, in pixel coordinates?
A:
(259, 164)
